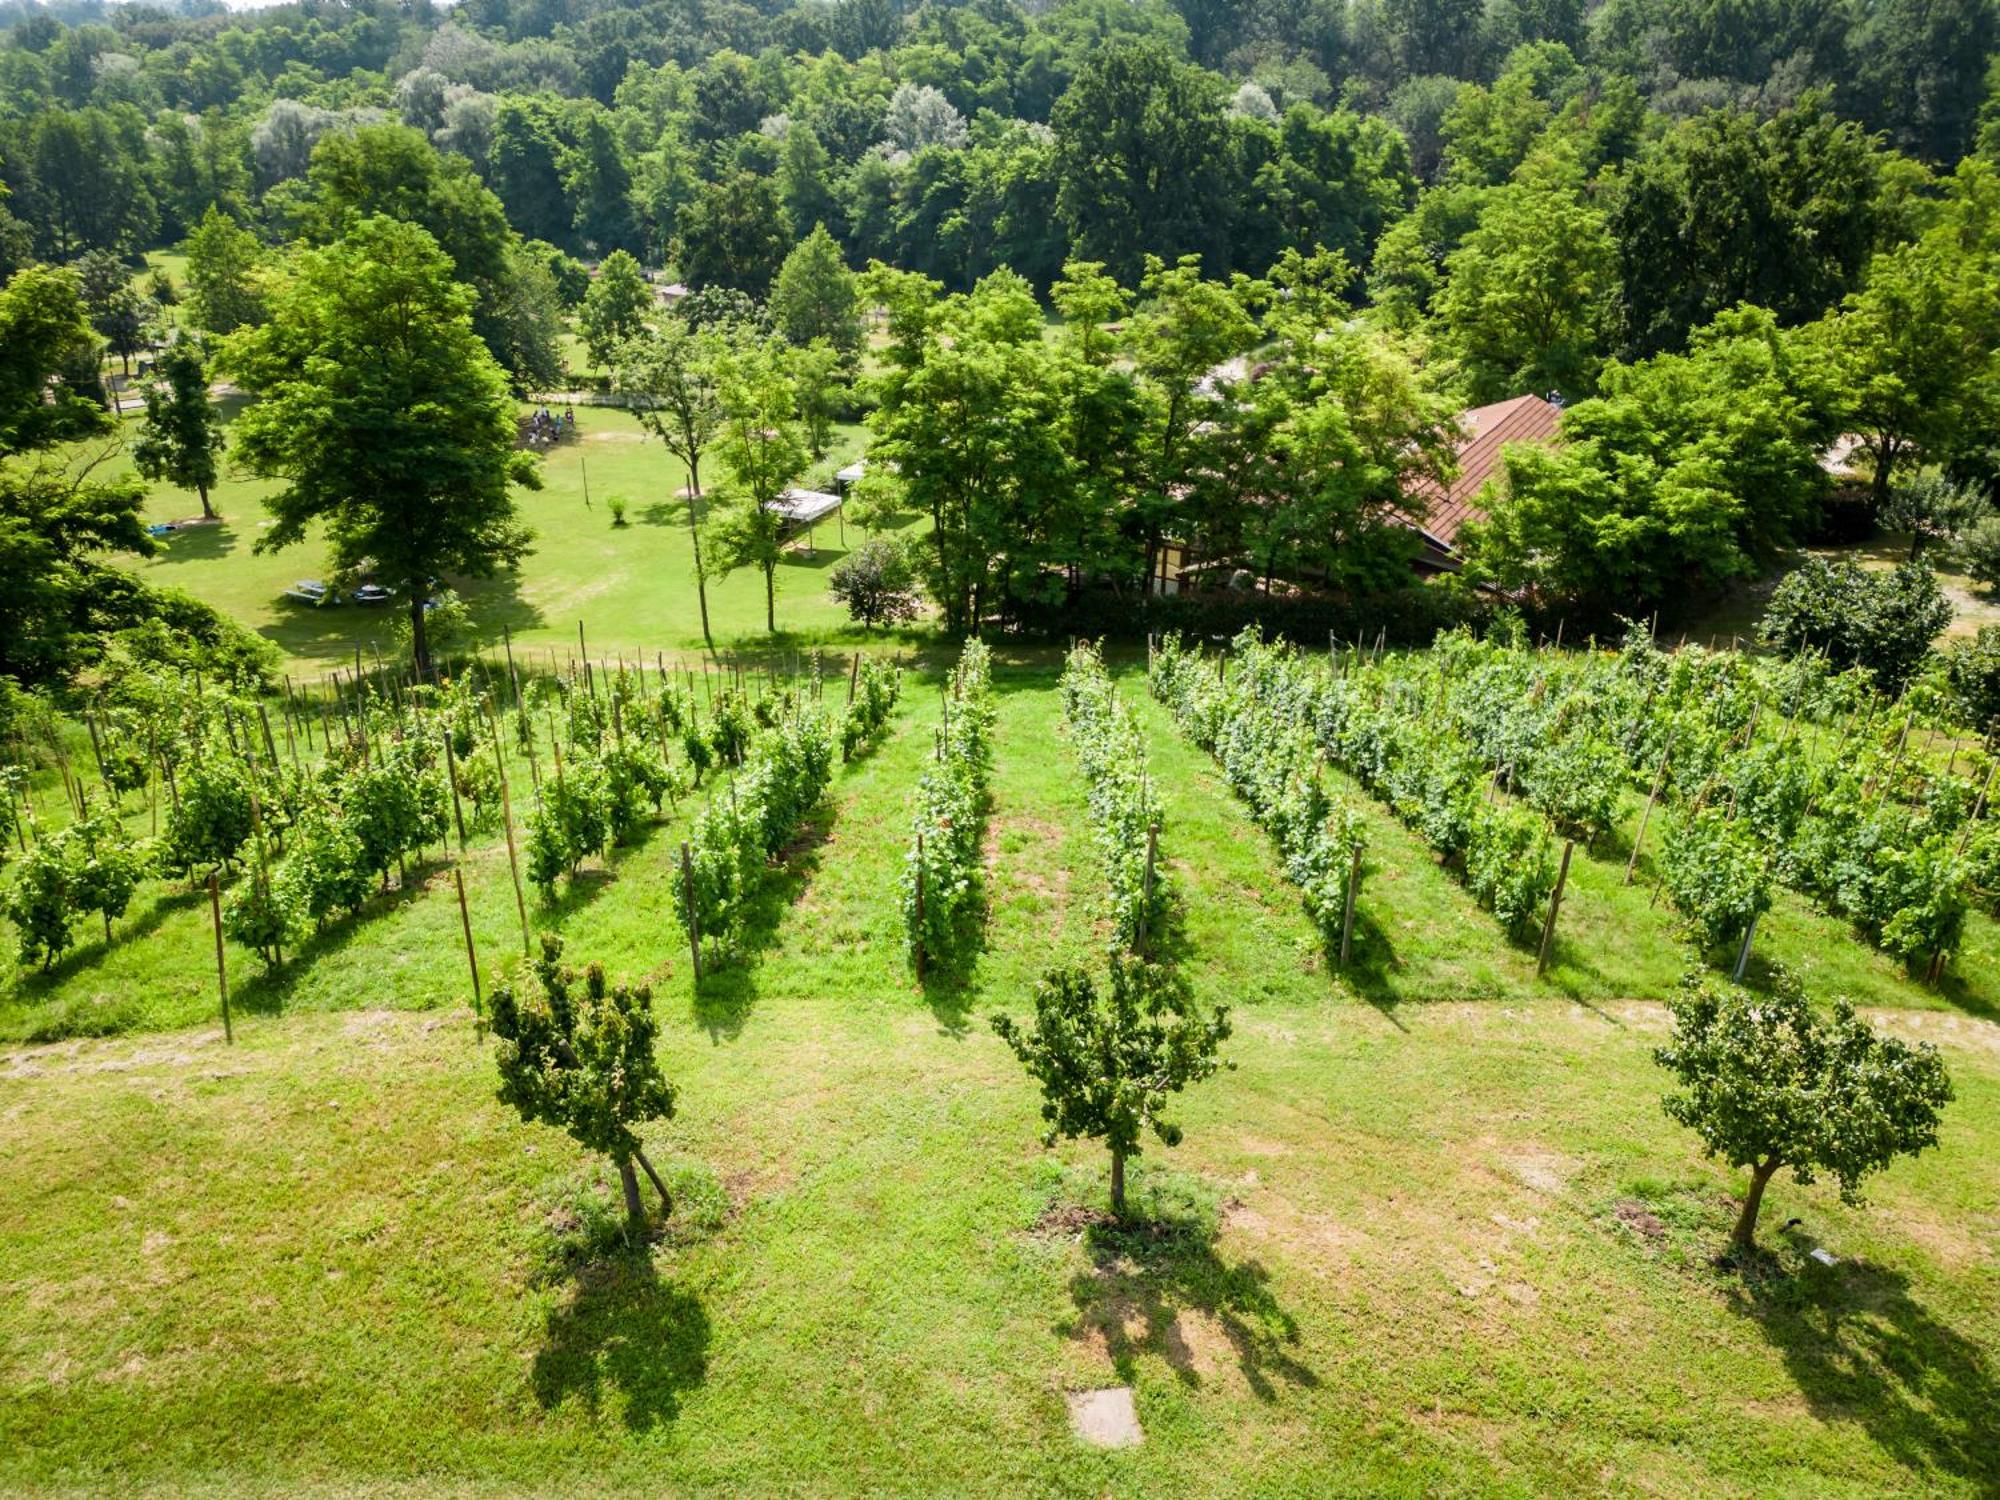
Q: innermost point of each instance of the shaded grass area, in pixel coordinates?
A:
(1408, 1247)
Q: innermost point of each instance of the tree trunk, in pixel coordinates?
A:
(635, 1211)
(666, 1198)
(207, 510)
(1118, 1183)
(420, 642)
(694, 534)
(770, 598)
(1885, 462)
(1744, 1237)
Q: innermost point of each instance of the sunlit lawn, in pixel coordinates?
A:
(632, 586)
(1448, 1247)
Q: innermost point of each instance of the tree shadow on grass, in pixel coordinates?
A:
(1159, 1266)
(36, 981)
(727, 989)
(623, 1330)
(202, 543)
(1864, 1350)
(265, 991)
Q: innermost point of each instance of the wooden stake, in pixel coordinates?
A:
(1555, 905)
(221, 969)
(513, 865)
(471, 957)
(1646, 816)
(920, 906)
(693, 916)
(1347, 915)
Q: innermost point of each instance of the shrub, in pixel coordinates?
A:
(876, 583)
(1882, 620)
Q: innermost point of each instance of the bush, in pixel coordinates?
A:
(876, 583)
(616, 505)
(1979, 551)
(1884, 621)
(1972, 668)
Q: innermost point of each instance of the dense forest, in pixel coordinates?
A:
(1288, 240)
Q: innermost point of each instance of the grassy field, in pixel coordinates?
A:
(632, 585)
(1432, 1234)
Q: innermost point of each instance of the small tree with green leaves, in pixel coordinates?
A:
(1766, 1082)
(181, 441)
(760, 447)
(1108, 1057)
(578, 1052)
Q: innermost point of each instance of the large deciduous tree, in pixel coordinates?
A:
(1528, 290)
(735, 234)
(1724, 209)
(1141, 150)
(223, 261)
(815, 296)
(615, 307)
(1683, 472)
(1767, 1082)
(1110, 1057)
(1914, 356)
(578, 1052)
(181, 441)
(385, 415)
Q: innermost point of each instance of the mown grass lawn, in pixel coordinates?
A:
(632, 586)
(1432, 1234)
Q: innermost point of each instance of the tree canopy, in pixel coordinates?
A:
(385, 416)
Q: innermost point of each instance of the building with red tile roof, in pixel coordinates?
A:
(1488, 429)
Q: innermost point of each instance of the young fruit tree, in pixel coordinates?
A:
(580, 1056)
(1766, 1082)
(1108, 1058)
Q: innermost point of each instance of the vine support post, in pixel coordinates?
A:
(471, 956)
(1646, 817)
(853, 677)
(920, 906)
(513, 863)
(1555, 906)
(513, 677)
(1146, 886)
(221, 968)
(1978, 807)
(451, 775)
(1347, 911)
(1743, 953)
(693, 916)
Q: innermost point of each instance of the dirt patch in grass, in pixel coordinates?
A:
(1069, 1220)
(1639, 1219)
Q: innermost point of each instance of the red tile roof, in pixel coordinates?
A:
(1487, 429)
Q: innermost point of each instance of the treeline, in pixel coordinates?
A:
(951, 139)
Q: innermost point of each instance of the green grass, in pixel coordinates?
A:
(1431, 1235)
(1446, 1247)
(632, 586)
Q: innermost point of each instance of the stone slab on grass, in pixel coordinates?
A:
(1107, 1418)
